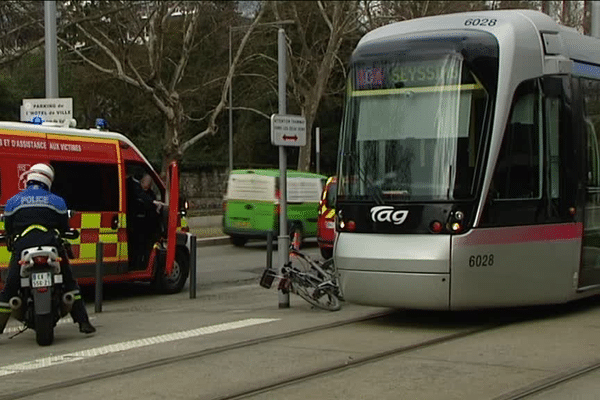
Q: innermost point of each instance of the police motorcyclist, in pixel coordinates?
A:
(37, 217)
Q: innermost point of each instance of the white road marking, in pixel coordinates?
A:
(129, 345)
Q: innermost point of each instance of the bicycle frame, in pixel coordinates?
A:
(313, 285)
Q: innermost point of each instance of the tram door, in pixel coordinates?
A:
(590, 268)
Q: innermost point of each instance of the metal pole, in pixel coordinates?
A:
(595, 17)
(51, 51)
(99, 276)
(230, 110)
(283, 239)
(269, 250)
(318, 148)
(193, 283)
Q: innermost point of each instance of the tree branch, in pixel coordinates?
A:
(100, 68)
(212, 127)
(324, 15)
(10, 58)
(185, 51)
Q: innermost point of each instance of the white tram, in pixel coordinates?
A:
(469, 166)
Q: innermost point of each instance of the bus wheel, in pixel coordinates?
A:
(238, 241)
(179, 274)
(296, 235)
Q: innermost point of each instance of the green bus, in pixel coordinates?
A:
(251, 206)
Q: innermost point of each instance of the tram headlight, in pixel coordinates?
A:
(456, 227)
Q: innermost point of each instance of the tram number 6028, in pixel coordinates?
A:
(480, 22)
(481, 260)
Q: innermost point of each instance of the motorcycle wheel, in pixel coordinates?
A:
(44, 329)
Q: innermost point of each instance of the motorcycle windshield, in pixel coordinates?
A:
(413, 129)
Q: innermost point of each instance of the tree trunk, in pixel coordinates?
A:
(173, 128)
(311, 102)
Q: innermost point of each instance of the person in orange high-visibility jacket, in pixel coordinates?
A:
(36, 217)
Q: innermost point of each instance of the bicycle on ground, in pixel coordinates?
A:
(313, 280)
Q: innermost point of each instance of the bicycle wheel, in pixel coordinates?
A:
(311, 290)
(329, 267)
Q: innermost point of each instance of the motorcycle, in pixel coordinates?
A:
(42, 300)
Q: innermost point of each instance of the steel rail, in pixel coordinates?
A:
(333, 369)
(548, 383)
(185, 357)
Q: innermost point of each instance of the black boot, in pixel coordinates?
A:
(79, 315)
(5, 311)
(86, 327)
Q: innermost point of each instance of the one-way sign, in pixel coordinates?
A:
(288, 130)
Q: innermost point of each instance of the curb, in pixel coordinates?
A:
(213, 241)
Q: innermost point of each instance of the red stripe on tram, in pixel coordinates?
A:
(521, 234)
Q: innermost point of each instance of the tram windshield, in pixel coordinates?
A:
(413, 129)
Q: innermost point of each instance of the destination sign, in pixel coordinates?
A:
(398, 74)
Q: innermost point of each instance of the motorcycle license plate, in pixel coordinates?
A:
(41, 279)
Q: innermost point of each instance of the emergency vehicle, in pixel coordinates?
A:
(326, 222)
(91, 171)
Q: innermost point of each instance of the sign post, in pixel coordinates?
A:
(283, 239)
(286, 130)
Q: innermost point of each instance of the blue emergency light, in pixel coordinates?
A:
(101, 123)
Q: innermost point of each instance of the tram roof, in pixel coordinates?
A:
(575, 45)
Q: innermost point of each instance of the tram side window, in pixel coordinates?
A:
(591, 95)
(518, 171)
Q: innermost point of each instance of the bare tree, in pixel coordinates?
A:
(131, 46)
(313, 55)
(21, 29)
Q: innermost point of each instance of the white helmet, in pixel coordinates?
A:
(42, 173)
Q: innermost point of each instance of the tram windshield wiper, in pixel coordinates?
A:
(373, 189)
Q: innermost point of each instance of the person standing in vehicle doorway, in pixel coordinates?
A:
(37, 217)
(143, 220)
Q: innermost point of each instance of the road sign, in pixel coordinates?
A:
(47, 110)
(288, 130)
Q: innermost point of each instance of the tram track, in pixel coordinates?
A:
(185, 357)
(354, 363)
(550, 382)
(272, 385)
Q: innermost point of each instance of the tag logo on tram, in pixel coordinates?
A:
(388, 214)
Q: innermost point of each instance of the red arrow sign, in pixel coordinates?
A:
(293, 138)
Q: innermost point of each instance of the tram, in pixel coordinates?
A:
(469, 164)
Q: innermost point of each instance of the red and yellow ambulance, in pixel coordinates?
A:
(326, 222)
(91, 168)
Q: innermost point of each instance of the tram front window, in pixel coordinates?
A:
(413, 130)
